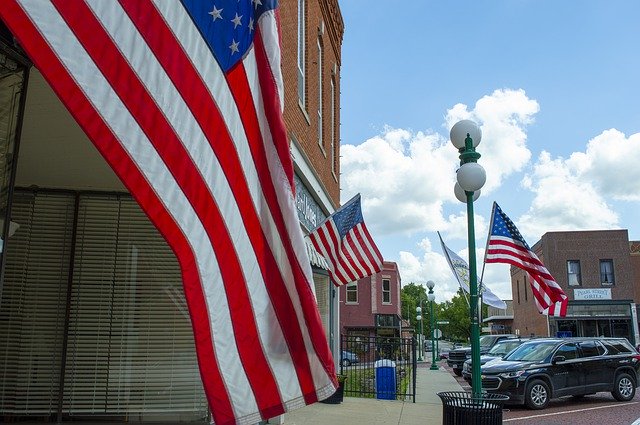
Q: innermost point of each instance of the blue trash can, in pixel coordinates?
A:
(385, 379)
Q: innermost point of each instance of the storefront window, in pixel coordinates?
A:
(12, 77)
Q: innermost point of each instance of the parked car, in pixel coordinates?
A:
(348, 358)
(539, 370)
(498, 351)
(458, 356)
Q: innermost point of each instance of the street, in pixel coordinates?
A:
(600, 408)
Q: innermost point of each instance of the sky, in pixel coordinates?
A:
(555, 88)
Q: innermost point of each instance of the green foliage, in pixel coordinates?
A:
(455, 311)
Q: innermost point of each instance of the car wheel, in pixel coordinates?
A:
(624, 388)
(537, 395)
(346, 362)
(458, 372)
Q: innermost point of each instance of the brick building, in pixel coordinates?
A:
(371, 306)
(91, 292)
(598, 270)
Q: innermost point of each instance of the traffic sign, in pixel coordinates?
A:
(443, 322)
(437, 333)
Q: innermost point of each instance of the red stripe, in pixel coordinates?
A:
(373, 246)
(167, 143)
(346, 250)
(182, 73)
(524, 252)
(522, 262)
(272, 108)
(280, 140)
(334, 236)
(351, 240)
(374, 255)
(326, 241)
(109, 146)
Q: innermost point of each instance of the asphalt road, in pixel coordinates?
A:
(596, 409)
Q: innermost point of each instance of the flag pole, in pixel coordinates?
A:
(446, 255)
(486, 246)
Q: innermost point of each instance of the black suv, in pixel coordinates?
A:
(458, 356)
(498, 351)
(542, 369)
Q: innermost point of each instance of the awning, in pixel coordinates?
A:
(315, 257)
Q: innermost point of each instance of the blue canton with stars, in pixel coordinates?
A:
(228, 26)
(503, 226)
(347, 217)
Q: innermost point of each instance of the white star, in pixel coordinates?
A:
(216, 13)
(250, 24)
(257, 3)
(237, 21)
(234, 46)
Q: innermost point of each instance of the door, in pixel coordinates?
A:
(566, 374)
(598, 370)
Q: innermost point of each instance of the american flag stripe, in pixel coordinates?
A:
(326, 241)
(98, 45)
(506, 245)
(350, 253)
(175, 199)
(368, 247)
(343, 239)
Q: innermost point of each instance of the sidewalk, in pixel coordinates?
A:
(361, 411)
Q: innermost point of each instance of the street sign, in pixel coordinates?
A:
(437, 333)
(443, 322)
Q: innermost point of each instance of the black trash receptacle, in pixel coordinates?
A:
(462, 408)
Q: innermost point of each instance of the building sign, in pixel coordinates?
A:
(309, 212)
(592, 294)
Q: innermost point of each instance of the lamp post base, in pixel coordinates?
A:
(434, 367)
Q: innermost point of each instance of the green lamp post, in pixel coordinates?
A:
(420, 340)
(465, 136)
(432, 298)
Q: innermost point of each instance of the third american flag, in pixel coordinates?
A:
(506, 245)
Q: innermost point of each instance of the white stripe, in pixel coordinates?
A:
(272, 338)
(201, 57)
(169, 100)
(286, 203)
(117, 117)
(328, 230)
(370, 248)
(348, 247)
(269, 32)
(365, 248)
(345, 264)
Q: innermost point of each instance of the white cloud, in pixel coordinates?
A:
(610, 163)
(432, 265)
(406, 178)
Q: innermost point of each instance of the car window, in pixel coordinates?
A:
(504, 347)
(486, 341)
(569, 351)
(590, 349)
(532, 352)
(617, 346)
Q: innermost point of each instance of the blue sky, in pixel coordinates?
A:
(555, 87)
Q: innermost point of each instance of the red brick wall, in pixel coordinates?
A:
(589, 247)
(324, 22)
(370, 299)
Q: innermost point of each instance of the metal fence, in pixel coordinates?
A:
(379, 367)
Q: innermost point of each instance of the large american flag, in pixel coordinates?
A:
(347, 245)
(506, 245)
(184, 100)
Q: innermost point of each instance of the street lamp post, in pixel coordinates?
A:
(465, 136)
(420, 343)
(431, 298)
